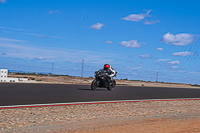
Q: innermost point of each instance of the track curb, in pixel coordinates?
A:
(92, 102)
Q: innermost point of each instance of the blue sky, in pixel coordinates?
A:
(137, 38)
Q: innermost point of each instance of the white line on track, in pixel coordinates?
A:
(93, 102)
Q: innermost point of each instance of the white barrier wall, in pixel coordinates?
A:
(4, 76)
(3, 73)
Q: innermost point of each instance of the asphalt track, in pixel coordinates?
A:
(26, 94)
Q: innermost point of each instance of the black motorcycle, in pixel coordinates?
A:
(102, 80)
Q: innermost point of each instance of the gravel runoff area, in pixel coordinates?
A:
(151, 116)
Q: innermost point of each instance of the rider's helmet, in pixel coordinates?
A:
(106, 66)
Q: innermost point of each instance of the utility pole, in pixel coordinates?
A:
(157, 77)
(82, 70)
(52, 68)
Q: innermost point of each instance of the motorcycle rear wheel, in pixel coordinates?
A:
(94, 84)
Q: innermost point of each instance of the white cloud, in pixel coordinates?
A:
(33, 34)
(151, 22)
(134, 73)
(174, 67)
(11, 40)
(145, 56)
(97, 26)
(184, 53)
(137, 17)
(131, 44)
(110, 42)
(159, 60)
(44, 36)
(133, 68)
(2, 1)
(12, 28)
(178, 39)
(48, 54)
(52, 12)
(161, 49)
(39, 58)
(198, 73)
(174, 62)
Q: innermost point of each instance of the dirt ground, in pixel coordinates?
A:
(164, 125)
(152, 125)
(155, 126)
(153, 117)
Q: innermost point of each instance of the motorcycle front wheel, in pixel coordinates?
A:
(94, 84)
(110, 87)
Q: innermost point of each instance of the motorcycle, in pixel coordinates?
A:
(102, 80)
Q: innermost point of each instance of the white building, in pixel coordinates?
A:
(4, 76)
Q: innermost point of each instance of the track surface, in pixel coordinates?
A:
(25, 94)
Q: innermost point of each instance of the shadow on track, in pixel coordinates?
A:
(92, 90)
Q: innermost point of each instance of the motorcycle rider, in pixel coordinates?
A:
(110, 71)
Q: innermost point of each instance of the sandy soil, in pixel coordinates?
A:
(141, 117)
(164, 125)
(154, 126)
